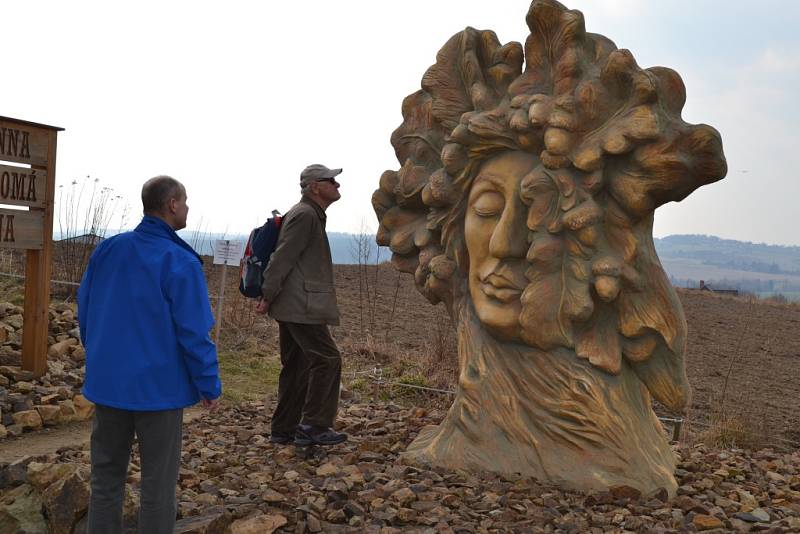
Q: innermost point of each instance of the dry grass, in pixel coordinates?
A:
(441, 362)
(12, 290)
(369, 360)
(247, 373)
(741, 431)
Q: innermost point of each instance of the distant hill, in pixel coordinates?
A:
(344, 249)
(731, 254)
(756, 268)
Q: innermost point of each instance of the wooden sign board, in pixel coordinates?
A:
(21, 229)
(22, 143)
(22, 187)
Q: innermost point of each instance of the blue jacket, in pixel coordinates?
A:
(145, 318)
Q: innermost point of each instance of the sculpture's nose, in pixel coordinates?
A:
(509, 238)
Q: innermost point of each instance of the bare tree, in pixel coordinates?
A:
(367, 256)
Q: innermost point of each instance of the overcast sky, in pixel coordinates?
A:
(234, 98)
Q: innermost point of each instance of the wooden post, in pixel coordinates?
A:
(33, 187)
(676, 429)
(219, 302)
(38, 267)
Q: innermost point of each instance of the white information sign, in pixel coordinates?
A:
(228, 252)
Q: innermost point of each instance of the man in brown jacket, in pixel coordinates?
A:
(298, 292)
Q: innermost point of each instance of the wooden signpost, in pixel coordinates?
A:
(31, 229)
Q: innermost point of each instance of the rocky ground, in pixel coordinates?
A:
(28, 403)
(233, 480)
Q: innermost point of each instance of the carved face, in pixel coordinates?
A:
(496, 236)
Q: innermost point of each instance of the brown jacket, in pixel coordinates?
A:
(298, 281)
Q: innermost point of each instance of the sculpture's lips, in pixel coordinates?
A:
(498, 287)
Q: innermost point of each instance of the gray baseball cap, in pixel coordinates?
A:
(317, 172)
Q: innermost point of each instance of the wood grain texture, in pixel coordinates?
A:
(23, 143)
(21, 186)
(38, 269)
(21, 230)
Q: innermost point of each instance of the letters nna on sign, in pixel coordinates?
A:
(227, 252)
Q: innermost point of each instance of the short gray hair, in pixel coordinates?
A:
(157, 191)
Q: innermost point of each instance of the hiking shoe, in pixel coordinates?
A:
(281, 438)
(315, 435)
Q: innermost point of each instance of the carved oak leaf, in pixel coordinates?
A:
(411, 179)
(560, 268)
(401, 229)
(655, 313)
(551, 50)
(433, 275)
(670, 170)
(420, 137)
(404, 229)
(598, 340)
(383, 197)
(542, 299)
(472, 72)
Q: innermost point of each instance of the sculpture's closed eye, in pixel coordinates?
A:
(489, 204)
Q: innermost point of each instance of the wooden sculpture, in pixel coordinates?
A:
(524, 203)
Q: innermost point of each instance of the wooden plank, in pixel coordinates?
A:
(21, 186)
(22, 143)
(38, 267)
(21, 229)
(33, 124)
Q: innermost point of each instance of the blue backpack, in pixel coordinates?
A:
(260, 246)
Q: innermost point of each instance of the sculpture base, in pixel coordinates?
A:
(549, 415)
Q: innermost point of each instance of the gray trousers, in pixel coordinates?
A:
(159, 435)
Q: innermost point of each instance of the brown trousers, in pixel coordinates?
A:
(311, 372)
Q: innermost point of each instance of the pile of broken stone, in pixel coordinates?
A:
(28, 403)
(234, 480)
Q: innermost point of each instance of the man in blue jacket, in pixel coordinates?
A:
(145, 319)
